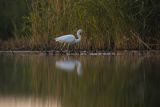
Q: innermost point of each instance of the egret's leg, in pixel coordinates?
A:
(63, 46)
(68, 47)
(72, 48)
(55, 46)
(58, 46)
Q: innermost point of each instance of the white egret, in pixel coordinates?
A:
(69, 39)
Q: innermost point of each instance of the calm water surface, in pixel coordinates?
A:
(79, 81)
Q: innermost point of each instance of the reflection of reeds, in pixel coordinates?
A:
(105, 81)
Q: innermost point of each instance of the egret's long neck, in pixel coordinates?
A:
(79, 37)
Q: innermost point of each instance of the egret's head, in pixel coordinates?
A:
(79, 32)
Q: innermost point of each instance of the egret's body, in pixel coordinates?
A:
(66, 39)
(69, 39)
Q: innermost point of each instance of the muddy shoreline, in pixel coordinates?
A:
(119, 52)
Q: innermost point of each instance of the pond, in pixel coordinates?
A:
(79, 81)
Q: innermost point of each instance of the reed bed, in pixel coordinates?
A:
(108, 24)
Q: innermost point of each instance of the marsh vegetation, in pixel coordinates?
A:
(108, 24)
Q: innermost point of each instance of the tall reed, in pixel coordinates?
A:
(108, 24)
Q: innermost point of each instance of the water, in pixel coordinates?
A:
(79, 81)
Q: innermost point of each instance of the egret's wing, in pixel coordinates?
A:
(65, 38)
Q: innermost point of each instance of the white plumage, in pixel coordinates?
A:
(66, 38)
(70, 39)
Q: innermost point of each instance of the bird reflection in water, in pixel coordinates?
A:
(69, 65)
